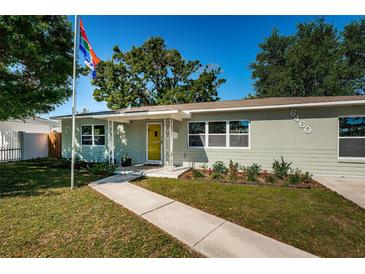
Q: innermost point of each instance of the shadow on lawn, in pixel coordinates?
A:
(25, 179)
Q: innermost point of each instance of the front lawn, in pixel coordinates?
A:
(40, 216)
(316, 220)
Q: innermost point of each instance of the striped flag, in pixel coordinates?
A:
(91, 60)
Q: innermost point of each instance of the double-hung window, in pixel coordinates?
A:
(219, 134)
(239, 133)
(351, 143)
(197, 134)
(93, 135)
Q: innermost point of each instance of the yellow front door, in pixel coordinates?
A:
(154, 142)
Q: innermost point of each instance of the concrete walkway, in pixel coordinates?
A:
(203, 232)
(352, 188)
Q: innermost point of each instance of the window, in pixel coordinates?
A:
(93, 135)
(197, 134)
(99, 135)
(219, 134)
(87, 135)
(238, 133)
(351, 143)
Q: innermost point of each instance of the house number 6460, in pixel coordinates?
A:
(301, 123)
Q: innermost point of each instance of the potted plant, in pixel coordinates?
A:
(126, 160)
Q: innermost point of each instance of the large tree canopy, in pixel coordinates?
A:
(152, 74)
(35, 64)
(317, 60)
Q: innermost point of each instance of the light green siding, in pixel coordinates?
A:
(131, 139)
(273, 133)
(88, 153)
(128, 139)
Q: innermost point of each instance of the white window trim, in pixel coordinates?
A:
(206, 135)
(217, 134)
(347, 159)
(194, 134)
(93, 135)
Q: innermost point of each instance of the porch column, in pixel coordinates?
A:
(111, 141)
(169, 142)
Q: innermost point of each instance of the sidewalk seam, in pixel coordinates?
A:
(210, 232)
(149, 211)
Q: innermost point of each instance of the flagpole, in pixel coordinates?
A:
(73, 146)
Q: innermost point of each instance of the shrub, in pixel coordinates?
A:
(281, 168)
(197, 174)
(306, 177)
(219, 168)
(252, 172)
(104, 169)
(51, 162)
(294, 177)
(204, 167)
(232, 171)
(216, 176)
(270, 178)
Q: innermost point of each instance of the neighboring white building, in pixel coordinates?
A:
(31, 125)
(26, 139)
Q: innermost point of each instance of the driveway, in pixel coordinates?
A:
(349, 187)
(203, 232)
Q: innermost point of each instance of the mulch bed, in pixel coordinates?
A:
(188, 175)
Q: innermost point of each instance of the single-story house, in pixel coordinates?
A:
(322, 135)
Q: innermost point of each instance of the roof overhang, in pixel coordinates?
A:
(179, 115)
(126, 117)
(304, 105)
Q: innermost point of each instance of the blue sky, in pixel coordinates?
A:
(229, 41)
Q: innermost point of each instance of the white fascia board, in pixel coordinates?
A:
(147, 114)
(137, 114)
(322, 104)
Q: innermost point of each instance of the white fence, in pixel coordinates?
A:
(10, 145)
(18, 145)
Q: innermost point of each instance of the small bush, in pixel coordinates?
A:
(104, 169)
(197, 174)
(204, 167)
(294, 177)
(252, 172)
(306, 177)
(216, 176)
(270, 179)
(219, 168)
(232, 171)
(51, 162)
(281, 168)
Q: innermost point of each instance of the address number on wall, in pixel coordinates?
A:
(301, 123)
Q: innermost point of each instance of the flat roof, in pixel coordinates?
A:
(259, 103)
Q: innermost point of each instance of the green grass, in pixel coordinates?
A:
(316, 220)
(40, 216)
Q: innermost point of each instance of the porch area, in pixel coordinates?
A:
(147, 137)
(141, 170)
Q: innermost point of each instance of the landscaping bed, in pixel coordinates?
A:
(282, 175)
(241, 179)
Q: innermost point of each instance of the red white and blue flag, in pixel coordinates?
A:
(91, 60)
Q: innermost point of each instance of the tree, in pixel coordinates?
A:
(316, 61)
(84, 111)
(153, 74)
(35, 64)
